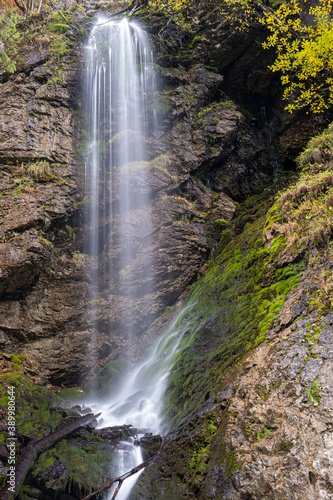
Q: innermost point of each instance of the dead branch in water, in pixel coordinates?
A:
(122, 478)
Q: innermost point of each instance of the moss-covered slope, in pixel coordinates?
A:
(233, 306)
(254, 363)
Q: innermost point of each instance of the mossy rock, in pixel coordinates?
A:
(35, 406)
(229, 312)
(30, 493)
(73, 467)
(71, 395)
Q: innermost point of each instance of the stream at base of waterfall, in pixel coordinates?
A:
(139, 400)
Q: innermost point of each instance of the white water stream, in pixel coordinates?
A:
(119, 87)
(139, 400)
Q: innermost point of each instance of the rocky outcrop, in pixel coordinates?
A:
(207, 135)
(279, 416)
(22, 262)
(237, 55)
(36, 119)
(39, 184)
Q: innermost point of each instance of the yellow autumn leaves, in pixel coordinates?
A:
(304, 54)
(304, 50)
(169, 5)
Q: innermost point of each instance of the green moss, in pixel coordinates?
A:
(57, 23)
(28, 493)
(212, 424)
(314, 396)
(210, 111)
(162, 105)
(231, 464)
(199, 459)
(231, 309)
(38, 412)
(226, 237)
(304, 210)
(33, 404)
(85, 467)
(196, 40)
(286, 446)
(47, 243)
(85, 203)
(58, 27)
(17, 360)
(200, 445)
(263, 434)
(162, 163)
(44, 464)
(70, 395)
(2, 480)
(312, 334)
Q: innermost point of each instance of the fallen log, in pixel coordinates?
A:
(122, 478)
(36, 446)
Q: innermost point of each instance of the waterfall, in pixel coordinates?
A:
(139, 400)
(119, 86)
(118, 93)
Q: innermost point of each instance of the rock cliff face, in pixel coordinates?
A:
(267, 433)
(257, 425)
(39, 184)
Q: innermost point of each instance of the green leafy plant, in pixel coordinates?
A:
(9, 35)
(303, 213)
(314, 396)
(40, 170)
(263, 434)
(231, 464)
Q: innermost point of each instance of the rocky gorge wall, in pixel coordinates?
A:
(200, 131)
(217, 143)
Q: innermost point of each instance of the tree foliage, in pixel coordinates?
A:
(170, 5)
(46, 29)
(304, 54)
(9, 33)
(302, 37)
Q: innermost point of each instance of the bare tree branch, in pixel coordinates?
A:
(122, 478)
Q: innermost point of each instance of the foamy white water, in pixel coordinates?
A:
(139, 399)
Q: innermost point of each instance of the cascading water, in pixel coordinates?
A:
(119, 89)
(139, 400)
